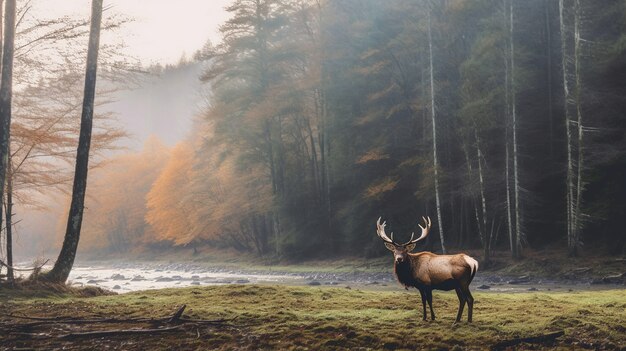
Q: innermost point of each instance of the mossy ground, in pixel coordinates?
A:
(329, 318)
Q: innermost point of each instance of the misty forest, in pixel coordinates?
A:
(244, 193)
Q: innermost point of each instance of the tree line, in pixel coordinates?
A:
(503, 120)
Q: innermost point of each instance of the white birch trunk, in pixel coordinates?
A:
(434, 119)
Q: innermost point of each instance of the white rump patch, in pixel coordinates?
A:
(472, 263)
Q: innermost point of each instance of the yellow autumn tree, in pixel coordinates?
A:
(115, 206)
(167, 209)
(228, 198)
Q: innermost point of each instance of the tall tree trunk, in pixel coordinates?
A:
(571, 243)
(1, 32)
(483, 200)
(9, 218)
(516, 186)
(549, 78)
(65, 261)
(434, 119)
(577, 225)
(6, 95)
(507, 146)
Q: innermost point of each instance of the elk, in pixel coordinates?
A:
(427, 271)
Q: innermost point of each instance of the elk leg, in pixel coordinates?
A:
(470, 304)
(461, 296)
(429, 298)
(423, 295)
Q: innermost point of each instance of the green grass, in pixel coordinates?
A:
(300, 318)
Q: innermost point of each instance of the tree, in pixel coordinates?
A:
(481, 115)
(167, 212)
(63, 265)
(575, 151)
(6, 93)
(434, 126)
(115, 207)
(512, 108)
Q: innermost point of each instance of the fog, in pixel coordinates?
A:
(162, 105)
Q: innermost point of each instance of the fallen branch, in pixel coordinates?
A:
(44, 321)
(176, 317)
(38, 323)
(206, 321)
(118, 332)
(40, 318)
(531, 340)
(2, 263)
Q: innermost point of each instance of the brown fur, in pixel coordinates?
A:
(427, 271)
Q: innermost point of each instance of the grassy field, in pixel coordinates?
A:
(314, 318)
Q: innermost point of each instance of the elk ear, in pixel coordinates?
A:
(410, 247)
(390, 247)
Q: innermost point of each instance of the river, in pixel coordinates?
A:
(123, 277)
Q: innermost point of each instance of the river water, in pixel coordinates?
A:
(125, 277)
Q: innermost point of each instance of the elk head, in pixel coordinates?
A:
(401, 251)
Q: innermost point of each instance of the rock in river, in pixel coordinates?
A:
(520, 280)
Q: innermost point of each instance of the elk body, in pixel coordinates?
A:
(427, 271)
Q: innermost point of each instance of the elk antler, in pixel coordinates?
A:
(425, 231)
(380, 230)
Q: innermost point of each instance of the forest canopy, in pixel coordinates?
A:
(502, 120)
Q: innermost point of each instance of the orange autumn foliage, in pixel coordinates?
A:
(115, 206)
(167, 210)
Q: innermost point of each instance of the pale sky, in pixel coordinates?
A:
(162, 30)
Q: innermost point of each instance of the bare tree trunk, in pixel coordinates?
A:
(549, 64)
(1, 32)
(434, 119)
(1, 49)
(571, 244)
(516, 186)
(577, 225)
(9, 216)
(483, 200)
(509, 209)
(509, 205)
(6, 95)
(65, 261)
